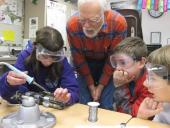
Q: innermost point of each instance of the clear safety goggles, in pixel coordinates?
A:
(122, 61)
(156, 72)
(44, 54)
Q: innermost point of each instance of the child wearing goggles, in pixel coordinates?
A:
(46, 62)
(44, 54)
(128, 61)
(159, 104)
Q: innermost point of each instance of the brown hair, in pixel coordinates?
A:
(52, 40)
(132, 46)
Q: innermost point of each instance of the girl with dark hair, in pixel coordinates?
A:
(47, 64)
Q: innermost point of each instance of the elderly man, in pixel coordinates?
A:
(92, 33)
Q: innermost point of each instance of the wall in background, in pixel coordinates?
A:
(40, 11)
(31, 10)
(130, 4)
(161, 24)
(11, 23)
(156, 26)
(34, 10)
(18, 37)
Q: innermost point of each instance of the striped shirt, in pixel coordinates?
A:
(84, 48)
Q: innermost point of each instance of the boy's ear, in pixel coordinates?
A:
(142, 62)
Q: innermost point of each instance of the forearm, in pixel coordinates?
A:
(107, 74)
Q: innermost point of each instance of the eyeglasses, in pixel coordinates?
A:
(92, 21)
(122, 61)
(44, 54)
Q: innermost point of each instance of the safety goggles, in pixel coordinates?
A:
(44, 54)
(122, 61)
(156, 72)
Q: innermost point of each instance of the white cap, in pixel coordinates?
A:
(93, 104)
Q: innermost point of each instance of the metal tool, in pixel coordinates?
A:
(29, 79)
(43, 98)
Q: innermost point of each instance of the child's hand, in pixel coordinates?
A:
(62, 95)
(15, 79)
(149, 108)
(121, 77)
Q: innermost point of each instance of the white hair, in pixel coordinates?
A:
(102, 3)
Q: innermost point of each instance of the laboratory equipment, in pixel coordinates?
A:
(93, 110)
(46, 99)
(28, 116)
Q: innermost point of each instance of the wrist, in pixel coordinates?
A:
(100, 86)
(118, 85)
(91, 87)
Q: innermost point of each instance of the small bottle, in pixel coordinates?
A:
(93, 107)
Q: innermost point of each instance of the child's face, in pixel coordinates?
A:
(126, 63)
(46, 62)
(159, 88)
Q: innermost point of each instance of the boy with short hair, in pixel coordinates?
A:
(128, 59)
(160, 89)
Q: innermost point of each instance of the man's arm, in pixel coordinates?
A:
(119, 32)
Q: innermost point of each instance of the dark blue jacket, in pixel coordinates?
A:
(67, 79)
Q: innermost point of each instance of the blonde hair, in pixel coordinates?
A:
(161, 56)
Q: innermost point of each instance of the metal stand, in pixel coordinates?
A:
(28, 116)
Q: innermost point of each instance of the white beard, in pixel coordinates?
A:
(94, 32)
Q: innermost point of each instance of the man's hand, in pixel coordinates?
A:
(92, 89)
(15, 79)
(121, 77)
(149, 108)
(62, 95)
(98, 92)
